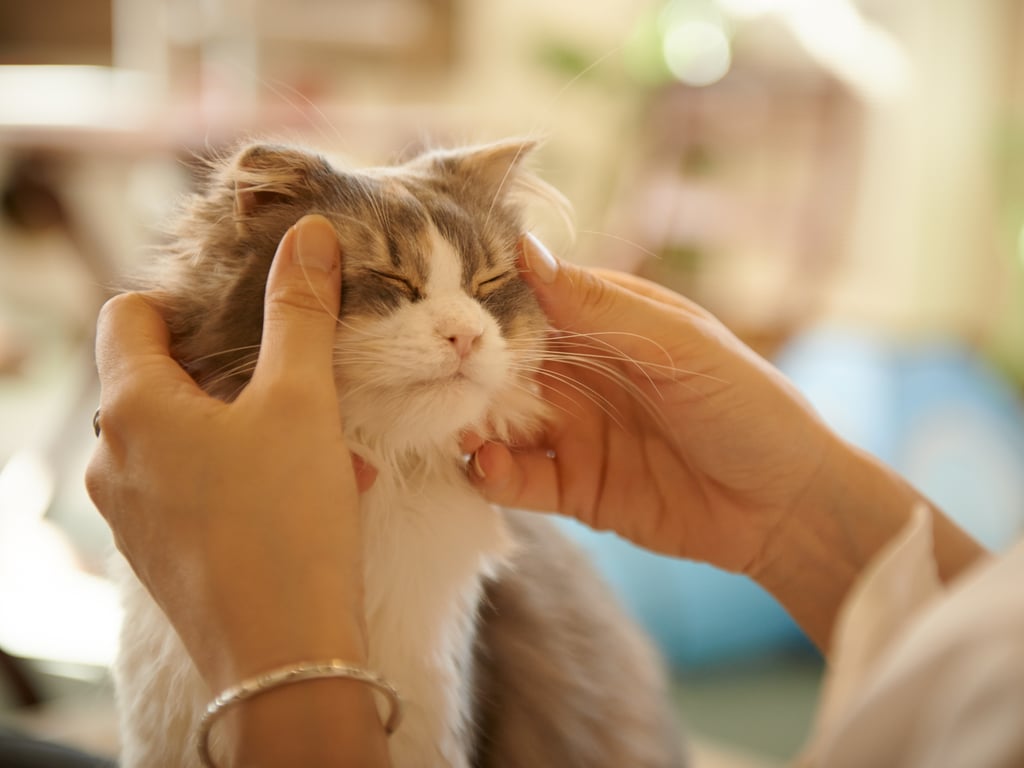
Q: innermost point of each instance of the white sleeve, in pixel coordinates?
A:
(922, 675)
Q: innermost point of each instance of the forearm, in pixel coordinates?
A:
(855, 507)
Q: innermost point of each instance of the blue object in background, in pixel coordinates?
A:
(934, 412)
(696, 614)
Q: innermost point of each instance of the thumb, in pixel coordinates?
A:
(526, 479)
(301, 304)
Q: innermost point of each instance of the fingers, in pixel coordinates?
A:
(136, 371)
(131, 335)
(366, 474)
(582, 300)
(142, 389)
(524, 479)
(303, 297)
(643, 320)
(650, 290)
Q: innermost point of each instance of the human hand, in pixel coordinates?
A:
(667, 429)
(241, 519)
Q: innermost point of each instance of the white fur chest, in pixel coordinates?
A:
(429, 545)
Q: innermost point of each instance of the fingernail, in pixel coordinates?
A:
(539, 259)
(474, 465)
(365, 473)
(316, 245)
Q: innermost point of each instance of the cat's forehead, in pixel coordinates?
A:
(405, 213)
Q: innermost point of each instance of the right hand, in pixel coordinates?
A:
(693, 446)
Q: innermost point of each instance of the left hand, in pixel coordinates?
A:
(241, 519)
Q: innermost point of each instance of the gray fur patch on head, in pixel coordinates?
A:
(221, 247)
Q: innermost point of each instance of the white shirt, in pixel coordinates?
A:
(924, 675)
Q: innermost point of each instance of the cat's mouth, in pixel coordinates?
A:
(458, 378)
(462, 372)
(440, 381)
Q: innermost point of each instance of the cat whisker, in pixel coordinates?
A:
(598, 366)
(566, 338)
(596, 337)
(376, 385)
(319, 300)
(523, 388)
(231, 350)
(501, 185)
(610, 372)
(233, 394)
(212, 383)
(608, 352)
(343, 363)
(624, 240)
(282, 89)
(230, 371)
(246, 359)
(633, 363)
(603, 403)
(550, 108)
(360, 332)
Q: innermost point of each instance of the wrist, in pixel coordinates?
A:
(313, 713)
(323, 722)
(854, 505)
(268, 623)
(341, 636)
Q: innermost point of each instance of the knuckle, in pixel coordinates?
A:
(117, 404)
(592, 288)
(98, 481)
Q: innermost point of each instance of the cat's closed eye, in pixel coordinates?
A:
(407, 286)
(489, 285)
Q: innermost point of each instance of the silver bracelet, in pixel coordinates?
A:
(293, 673)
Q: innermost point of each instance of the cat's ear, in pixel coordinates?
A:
(489, 168)
(260, 175)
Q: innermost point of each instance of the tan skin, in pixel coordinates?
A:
(733, 468)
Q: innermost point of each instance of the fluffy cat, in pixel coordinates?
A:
(505, 646)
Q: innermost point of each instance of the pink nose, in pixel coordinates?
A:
(463, 342)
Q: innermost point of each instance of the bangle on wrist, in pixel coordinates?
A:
(287, 675)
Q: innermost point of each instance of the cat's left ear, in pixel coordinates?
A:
(261, 175)
(490, 168)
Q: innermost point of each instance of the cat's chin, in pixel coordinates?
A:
(418, 420)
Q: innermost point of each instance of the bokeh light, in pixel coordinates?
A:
(697, 52)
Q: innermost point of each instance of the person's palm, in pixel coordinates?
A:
(665, 429)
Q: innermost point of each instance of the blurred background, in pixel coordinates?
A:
(841, 181)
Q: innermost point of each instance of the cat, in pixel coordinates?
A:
(506, 647)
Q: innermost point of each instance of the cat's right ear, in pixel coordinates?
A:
(262, 175)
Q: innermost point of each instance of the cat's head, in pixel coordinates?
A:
(438, 333)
